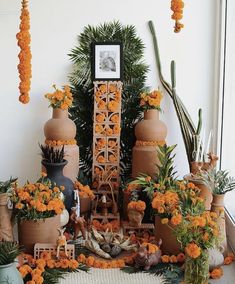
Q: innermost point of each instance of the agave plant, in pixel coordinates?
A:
(219, 182)
(52, 155)
(8, 252)
(5, 186)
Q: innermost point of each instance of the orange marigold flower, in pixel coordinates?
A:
(165, 258)
(193, 250)
(176, 220)
(64, 263)
(173, 259)
(216, 273)
(50, 263)
(228, 260)
(164, 221)
(90, 261)
(73, 264)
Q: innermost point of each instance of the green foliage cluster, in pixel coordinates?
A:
(8, 252)
(5, 186)
(135, 71)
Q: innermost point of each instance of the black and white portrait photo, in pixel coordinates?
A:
(107, 63)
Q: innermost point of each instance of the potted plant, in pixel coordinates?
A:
(219, 182)
(86, 195)
(61, 130)
(135, 210)
(8, 271)
(54, 162)
(149, 132)
(5, 220)
(37, 208)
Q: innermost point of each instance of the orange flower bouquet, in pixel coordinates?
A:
(151, 100)
(62, 99)
(197, 233)
(84, 190)
(135, 211)
(36, 201)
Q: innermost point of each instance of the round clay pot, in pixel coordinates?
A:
(150, 129)
(6, 232)
(217, 206)
(39, 231)
(170, 245)
(10, 274)
(60, 127)
(55, 174)
(135, 217)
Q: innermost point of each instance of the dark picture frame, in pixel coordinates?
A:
(107, 61)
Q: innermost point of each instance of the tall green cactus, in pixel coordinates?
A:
(189, 132)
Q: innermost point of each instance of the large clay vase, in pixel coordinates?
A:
(6, 232)
(10, 274)
(61, 127)
(39, 231)
(55, 174)
(170, 245)
(217, 206)
(147, 131)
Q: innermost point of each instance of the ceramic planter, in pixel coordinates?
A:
(170, 245)
(39, 231)
(61, 127)
(147, 131)
(55, 174)
(9, 274)
(135, 217)
(6, 233)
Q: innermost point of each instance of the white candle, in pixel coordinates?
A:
(198, 149)
(202, 145)
(208, 143)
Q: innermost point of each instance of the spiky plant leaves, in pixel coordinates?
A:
(8, 252)
(52, 155)
(135, 71)
(172, 273)
(7, 185)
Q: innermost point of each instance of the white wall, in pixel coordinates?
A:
(55, 25)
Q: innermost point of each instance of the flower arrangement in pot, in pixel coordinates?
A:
(135, 210)
(37, 208)
(86, 195)
(5, 220)
(54, 162)
(9, 251)
(219, 182)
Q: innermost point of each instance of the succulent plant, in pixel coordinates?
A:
(8, 252)
(219, 182)
(52, 155)
(7, 185)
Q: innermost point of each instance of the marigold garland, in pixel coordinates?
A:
(177, 8)
(24, 66)
(149, 143)
(60, 142)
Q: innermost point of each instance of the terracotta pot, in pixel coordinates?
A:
(10, 274)
(60, 127)
(217, 206)
(85, 204)
(6, 232)
(135, 217)
(205, 193)
(40, 231)
(170, 245)
(150, 129)
(55, 174)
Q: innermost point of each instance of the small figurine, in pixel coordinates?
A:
(61, 242)
(145, 259)
(78, 223)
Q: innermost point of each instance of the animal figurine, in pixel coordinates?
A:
(61, 242)
(78, 223)
(145, 259)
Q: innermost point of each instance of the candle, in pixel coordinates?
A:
(208, 143)
(202, 145)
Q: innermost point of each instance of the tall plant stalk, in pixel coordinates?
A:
(189, 132)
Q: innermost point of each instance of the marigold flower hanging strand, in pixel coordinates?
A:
(177, 8)
(24, 66)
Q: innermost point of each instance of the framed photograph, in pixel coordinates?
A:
(107, 61)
